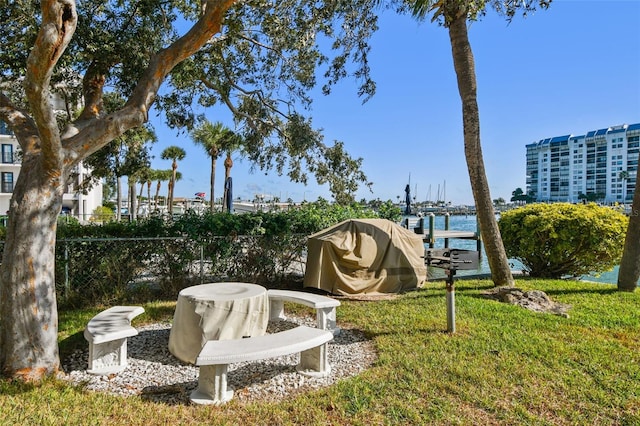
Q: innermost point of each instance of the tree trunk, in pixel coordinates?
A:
(158, 185)
(170, 197)
(629, 272)
(172, 183)
(139, 203)
(140, 194)
(465, 72)
(29, 332)
(119, 198)
(133, 204)
(148, 198)
(213, 182)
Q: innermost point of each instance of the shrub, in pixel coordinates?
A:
(388, 210)
(67, 220)
(102, 214)
(555, 240)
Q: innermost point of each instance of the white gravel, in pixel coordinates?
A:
(156, 375)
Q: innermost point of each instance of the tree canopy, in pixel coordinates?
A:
(261, 65)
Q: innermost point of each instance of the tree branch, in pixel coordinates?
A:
(92, 90)
(59, 19)
(136, 110)
(21, 124)
(162, 63)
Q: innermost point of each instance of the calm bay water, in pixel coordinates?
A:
(469, 223)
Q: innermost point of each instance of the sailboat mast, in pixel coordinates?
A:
(444, 191)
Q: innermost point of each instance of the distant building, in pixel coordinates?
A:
(74, 202)
(602, 164)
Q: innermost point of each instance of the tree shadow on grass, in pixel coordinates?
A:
(71, 343)
(605, 290)
(160, 312)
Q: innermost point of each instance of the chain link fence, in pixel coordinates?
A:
(126, 270)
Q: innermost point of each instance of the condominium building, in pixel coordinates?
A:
(74, 202)
(601, 165)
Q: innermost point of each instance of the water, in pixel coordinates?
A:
(469, 223)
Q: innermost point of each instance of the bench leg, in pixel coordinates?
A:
(276, 310)
(212, 386)
(108, 357)
(314, 362)
(326, 320)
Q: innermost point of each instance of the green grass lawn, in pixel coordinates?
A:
(504, 365)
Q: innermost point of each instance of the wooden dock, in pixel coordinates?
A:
(430, 234)
(442, 233)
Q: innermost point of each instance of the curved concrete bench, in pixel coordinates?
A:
(325, 307)
(107, 335)
(216, 355)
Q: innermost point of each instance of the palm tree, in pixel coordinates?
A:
(161, 176)
(151, 176)
(134, 177)
(175, 154)
(214, 138)
(172, 178)
(629, 272)
(518, 196)
(132, 180)
(144, 178)
(453, 15)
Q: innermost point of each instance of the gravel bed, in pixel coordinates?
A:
(156, 375)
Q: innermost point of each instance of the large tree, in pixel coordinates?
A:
(454, 15)
(259, 59)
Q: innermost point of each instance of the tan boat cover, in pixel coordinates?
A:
(365, 256)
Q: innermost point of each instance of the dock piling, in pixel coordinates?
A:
(446, 228)
(478, 238)
(432, 220)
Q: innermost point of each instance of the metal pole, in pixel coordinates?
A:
(451, 302)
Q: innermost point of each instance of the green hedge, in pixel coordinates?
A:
(126, 262)
(305, 219)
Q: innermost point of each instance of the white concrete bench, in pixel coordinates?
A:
(216, 355)
(325, 307)
(107, 335)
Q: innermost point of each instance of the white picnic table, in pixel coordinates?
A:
(217, 311)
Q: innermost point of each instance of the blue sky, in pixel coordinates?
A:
(567, 70)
